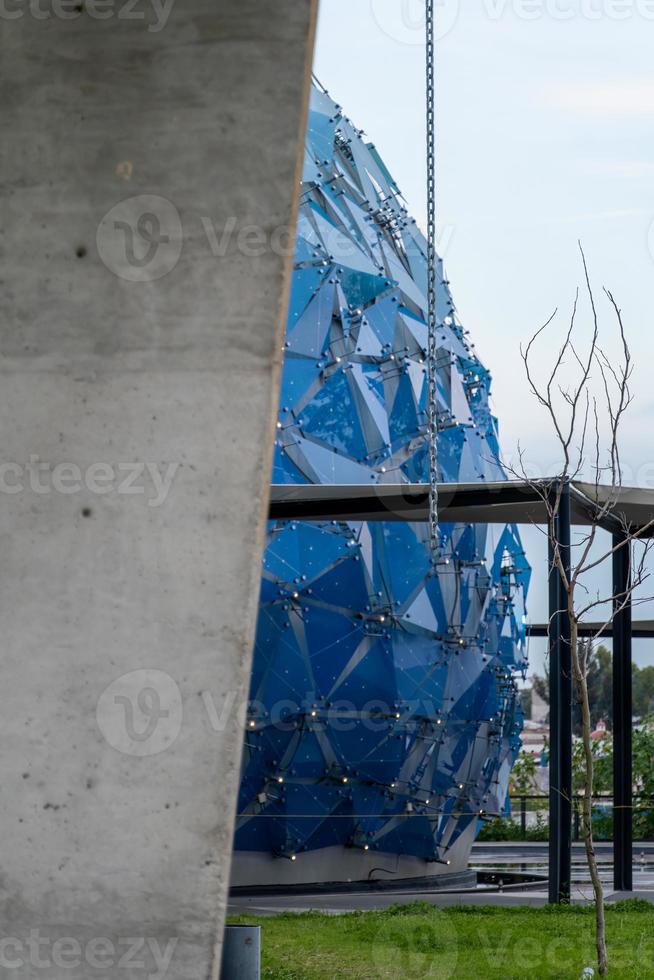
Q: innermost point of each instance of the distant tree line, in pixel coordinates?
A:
(600, 688)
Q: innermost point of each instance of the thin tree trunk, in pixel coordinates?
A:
(575, 415)
(587, 817)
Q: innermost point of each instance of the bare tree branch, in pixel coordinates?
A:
(573, 409)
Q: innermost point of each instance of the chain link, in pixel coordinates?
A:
(432, 399)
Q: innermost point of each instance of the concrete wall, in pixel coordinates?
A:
(139, 344)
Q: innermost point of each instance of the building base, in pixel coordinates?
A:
(344, 866)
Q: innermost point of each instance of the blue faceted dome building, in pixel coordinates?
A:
(383, 717)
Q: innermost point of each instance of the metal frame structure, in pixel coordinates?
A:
(521, 503)
(622, 714)
(560, 822)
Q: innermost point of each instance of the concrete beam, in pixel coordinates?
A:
(140, 338)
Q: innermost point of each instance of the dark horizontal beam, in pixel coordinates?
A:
(502, 502)
(458, 503)
(639, 630)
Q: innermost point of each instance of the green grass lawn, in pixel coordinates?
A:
(418, 941)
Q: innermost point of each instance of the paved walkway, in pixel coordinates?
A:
(370, 901)
(504, 855)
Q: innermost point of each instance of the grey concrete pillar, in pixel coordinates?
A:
(148, 168)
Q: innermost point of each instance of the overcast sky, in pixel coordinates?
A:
(545, 136)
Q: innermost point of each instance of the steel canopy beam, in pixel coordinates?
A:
(641, 630)
(475, 503)
(501, 502)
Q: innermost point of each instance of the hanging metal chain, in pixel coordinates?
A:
(432, 398)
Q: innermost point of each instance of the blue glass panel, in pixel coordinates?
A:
(332, 418)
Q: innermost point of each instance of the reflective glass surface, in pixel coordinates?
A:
(383, 708)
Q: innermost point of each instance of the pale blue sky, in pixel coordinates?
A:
(545, 135)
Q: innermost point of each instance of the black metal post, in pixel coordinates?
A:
(555, 726)
(622, 718)
(241, 959)
(560, 828)
(523, 817)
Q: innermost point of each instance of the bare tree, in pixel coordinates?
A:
(586, 412)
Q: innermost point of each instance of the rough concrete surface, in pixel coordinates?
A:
(139, 353)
